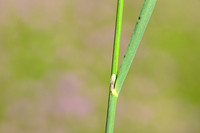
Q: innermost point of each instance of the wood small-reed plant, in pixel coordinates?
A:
(118, 77)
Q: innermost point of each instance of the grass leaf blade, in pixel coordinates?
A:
(136, 38)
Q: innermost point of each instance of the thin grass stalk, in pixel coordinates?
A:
(112, 100)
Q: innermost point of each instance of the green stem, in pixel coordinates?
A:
(111, 113)
(116, 45)
(112, 101)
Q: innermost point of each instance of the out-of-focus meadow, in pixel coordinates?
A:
(55, 60)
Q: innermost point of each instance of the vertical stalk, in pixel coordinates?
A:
(112, 100)
(118, 25)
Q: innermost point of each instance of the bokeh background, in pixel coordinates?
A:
(55, 61)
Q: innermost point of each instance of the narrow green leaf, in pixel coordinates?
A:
(136, 38)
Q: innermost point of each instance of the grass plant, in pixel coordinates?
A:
(118, 77)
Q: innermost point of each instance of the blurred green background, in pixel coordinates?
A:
(55, 61)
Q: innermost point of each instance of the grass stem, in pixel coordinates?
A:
(116, 46)
(112, 101)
